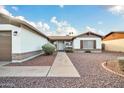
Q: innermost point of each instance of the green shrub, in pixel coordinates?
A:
(69, 49)
(48, 48)
(121, 65)
(87, 51)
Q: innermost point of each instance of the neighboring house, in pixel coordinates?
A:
(114, 41)
(61, 42)
(88, 41)
(19, 40)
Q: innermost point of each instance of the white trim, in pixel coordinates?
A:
(26, 59)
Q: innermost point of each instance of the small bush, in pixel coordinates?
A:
(121, 65)
(87, 51)
(69, 49)
(48, 48)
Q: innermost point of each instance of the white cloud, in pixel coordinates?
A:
(58, 23)
(23, 19)
(63, 27)
(53, 20)
(71, 30)
(61, 6)
(4, 11)
(117, 9)
(14, 8)
(88, 28)
(39, 25)
(43, 27)
(46, 26)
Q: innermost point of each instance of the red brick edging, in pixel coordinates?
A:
(103, 65)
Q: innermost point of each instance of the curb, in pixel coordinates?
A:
(111, 70)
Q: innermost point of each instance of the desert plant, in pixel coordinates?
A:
(48, 48)
(69, 49)
(121, 64)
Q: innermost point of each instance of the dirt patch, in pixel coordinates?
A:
(114, 66)
(42, 60)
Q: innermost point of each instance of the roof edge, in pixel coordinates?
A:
(89, 32)
(24, 23)
(112, 33)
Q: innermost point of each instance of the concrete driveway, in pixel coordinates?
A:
(3, 63)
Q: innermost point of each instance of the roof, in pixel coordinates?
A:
(72, 37)
(61, 37)
(89, 32)
(120, 32)
(24, 23)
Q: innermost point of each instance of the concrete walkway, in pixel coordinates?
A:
(63, 67)
(3, 63)
(24, 71)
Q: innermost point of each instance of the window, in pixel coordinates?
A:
(68, 44)
(89, 44)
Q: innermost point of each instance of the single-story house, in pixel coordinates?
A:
(87, 41)
(114, 41)
(61, 42)
(19, 40)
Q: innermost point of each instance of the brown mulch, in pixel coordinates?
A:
(114, 66)
(42, 60)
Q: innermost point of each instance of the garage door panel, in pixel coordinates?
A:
(5, 46)
(4, 54)
(4, 49)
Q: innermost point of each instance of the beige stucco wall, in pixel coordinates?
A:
(114, 45)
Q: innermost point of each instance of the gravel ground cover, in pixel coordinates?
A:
(42, 60)
(89, 67)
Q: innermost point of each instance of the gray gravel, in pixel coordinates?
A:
(89, 67)
(91, 71)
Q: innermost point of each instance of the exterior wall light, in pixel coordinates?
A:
(15, 33)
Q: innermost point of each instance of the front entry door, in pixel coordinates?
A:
(60, 45)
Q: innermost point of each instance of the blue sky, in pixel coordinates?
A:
(101, 19)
